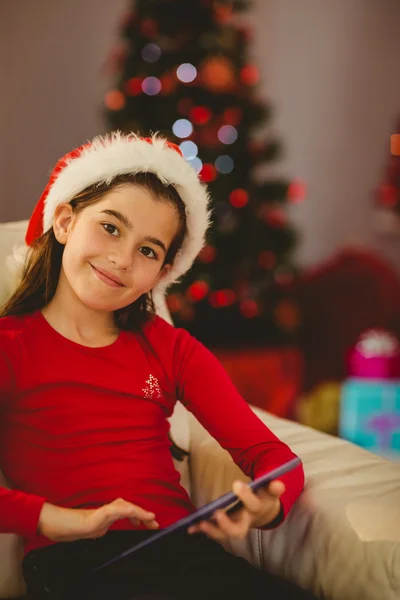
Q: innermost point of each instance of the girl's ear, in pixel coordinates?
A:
(62, 222)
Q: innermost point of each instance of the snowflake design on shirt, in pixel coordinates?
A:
(153, 389)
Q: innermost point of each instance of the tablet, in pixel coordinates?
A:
(205, 512)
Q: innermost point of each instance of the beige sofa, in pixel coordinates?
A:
(342, 538)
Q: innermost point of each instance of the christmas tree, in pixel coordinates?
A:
(387, 196)
(182, 68)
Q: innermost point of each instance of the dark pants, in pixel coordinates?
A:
(178, 567)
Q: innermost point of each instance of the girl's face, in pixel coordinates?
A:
(115, 248)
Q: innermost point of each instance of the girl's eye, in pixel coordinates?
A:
(146, 251)
(110, 228)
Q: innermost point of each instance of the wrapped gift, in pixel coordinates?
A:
(269, 378)
(375, 356)
(370, 396)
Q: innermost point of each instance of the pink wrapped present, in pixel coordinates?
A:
(375, 356)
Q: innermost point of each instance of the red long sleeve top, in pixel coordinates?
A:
(81, 426)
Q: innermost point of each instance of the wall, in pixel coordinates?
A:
(329, 68)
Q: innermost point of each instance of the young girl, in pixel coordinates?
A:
(89, 376)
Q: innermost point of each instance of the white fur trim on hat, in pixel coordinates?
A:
(115, 154)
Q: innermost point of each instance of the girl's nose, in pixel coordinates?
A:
(122, 260)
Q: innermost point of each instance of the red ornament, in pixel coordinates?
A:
(174, 302)
(249, 309)
(218, 74)
(127, 19)
(267, 259)
(208, 135)
(222, 298)
(149, 28)
(168, 84)
(387, 195)
(246, 33)
(256, 147)
(395, 144)
(249, 75)
(239, 198)
(296, 191)
(114, 100)
(232, 116)
(222, 13)
(198, 290)
(199, 115)
(207, 254)
(275, 218)
(287, 314)
(187, 313)
(284, 277)
(133, 86)
(208, 172)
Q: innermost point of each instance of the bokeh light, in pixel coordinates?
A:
(249, 75)
(186, 73)
(198, 290)
(114, 100)
(297, 191)
(208, 172)
(189, 150)
(227, 134)
(224, 164)
(200, 114)
(182, 128)
(151, 86)
(197, 164)
(151, 53)
(238, 197)
(134, 86)
(221, 298)
(249, 308)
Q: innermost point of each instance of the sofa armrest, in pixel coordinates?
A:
(342, 538)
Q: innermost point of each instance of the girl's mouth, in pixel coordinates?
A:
(105, 278)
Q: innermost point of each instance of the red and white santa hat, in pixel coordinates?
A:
(114, 154)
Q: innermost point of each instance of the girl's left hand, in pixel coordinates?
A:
(258, 510)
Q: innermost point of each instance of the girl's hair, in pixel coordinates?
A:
(43, 263)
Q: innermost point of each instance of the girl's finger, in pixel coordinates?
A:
(247, 496)
(276, 488)
(212, 530)
(234, 529)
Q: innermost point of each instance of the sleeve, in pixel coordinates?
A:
(19, 512)
(206, 390)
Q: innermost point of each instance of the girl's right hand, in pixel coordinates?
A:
(69, 524)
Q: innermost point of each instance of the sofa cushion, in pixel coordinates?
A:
(11, 238)
(342, 537)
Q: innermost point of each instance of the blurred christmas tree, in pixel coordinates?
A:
(387, 196)
(182, 69)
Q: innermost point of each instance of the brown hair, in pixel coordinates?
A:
(43, 263)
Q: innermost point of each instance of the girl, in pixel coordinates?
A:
(89, 375)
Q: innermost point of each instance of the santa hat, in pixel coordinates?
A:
(102, 159)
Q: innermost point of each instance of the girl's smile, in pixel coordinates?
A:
(107, 277)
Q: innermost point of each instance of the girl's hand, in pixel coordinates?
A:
(258, 510)
(69, 524)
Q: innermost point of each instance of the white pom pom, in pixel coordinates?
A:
(378, 342)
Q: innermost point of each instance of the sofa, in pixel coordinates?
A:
(341, 539)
